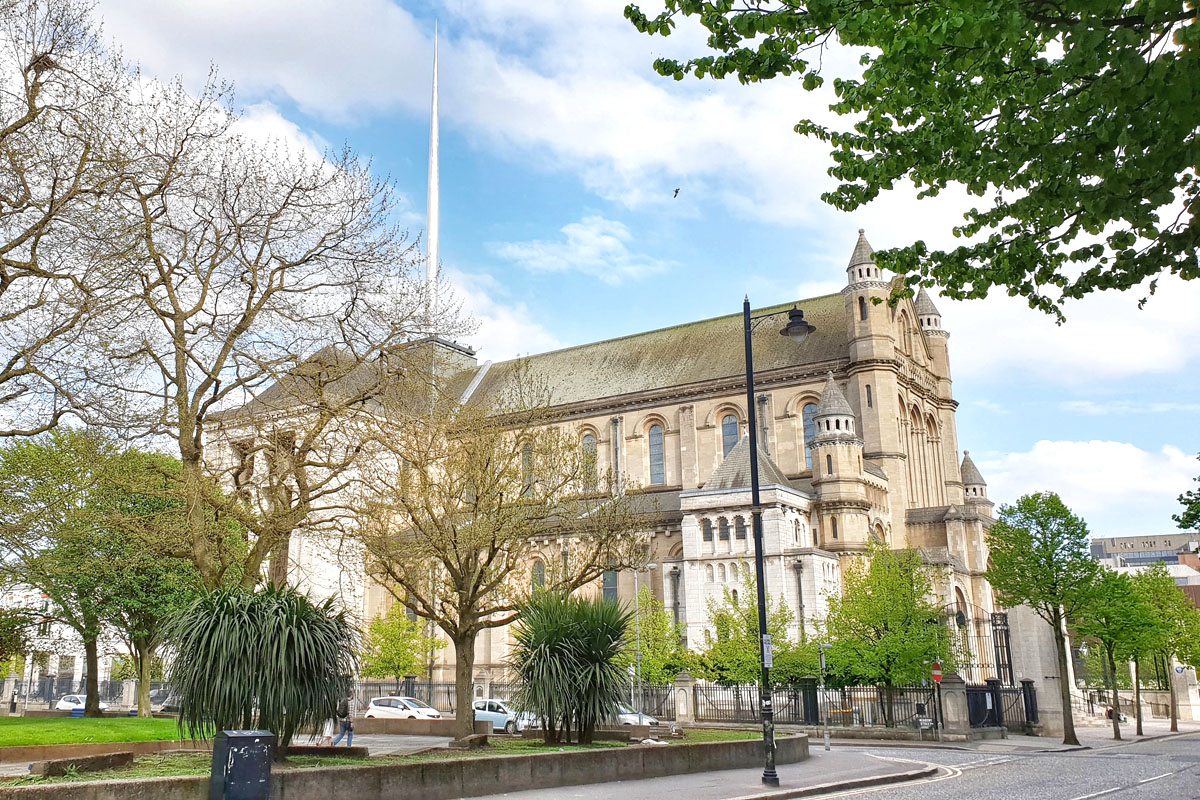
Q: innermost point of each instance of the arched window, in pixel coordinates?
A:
(527, 471)
(733, 572)
(734, 594)
(723, 529)
(810, 431)
(870, 403)
(739, 528)
(538, 575)
(862, 308)
(657, 474)
(708, 573)
(729, 432)
(706, 528)
(721, 573)
(590, 477)
(829, 465)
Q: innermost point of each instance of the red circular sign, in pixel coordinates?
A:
(937, 671)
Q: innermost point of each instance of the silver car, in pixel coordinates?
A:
(502, 716)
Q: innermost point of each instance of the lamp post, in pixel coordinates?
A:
(796, 329)
(637, 625)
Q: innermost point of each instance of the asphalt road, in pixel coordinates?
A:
(1160, 769)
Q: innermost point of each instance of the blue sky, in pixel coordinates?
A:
(561, 150)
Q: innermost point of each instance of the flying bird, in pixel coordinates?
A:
(676, 194)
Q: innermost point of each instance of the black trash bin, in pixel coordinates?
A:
(241, 767)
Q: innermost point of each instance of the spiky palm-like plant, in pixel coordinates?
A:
(566, 655)
(270, 660)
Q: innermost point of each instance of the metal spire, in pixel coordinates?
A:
(432, 225)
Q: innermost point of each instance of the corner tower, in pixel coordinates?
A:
(837, 451)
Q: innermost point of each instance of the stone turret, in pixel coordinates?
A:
(974, 486)
(837, 451)
(930, 321)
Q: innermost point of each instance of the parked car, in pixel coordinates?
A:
(502, 716)
(400, 708)
(70, 702)
(627, 716)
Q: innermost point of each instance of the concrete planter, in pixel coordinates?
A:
(443, 780)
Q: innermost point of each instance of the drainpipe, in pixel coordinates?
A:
(675, 594)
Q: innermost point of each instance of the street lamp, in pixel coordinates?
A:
(797, 329)
(637, 625)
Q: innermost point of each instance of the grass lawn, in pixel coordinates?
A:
(66, 730)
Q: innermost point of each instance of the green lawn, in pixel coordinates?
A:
(65, 730)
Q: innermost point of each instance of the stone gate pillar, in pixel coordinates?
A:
(685, 694)
(955, 718)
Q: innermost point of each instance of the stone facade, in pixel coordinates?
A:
(857, 443)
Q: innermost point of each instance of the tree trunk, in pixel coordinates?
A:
(91, 665)
(1060, 643)
(145, 655)
(278, 571)
(1112, 687)
(1174, 700)
(464, 673)
(197, 517)
(1137, 694)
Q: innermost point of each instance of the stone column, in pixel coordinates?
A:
(687, 448)
(955, 718)
(685, 694)
(129, 693)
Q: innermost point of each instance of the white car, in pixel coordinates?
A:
(400, 708)
(70, 702)
(502, 716)
(628, 716)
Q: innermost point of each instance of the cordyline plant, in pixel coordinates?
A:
(270, 660)
(567, 657)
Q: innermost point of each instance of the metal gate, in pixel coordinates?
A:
(980, 643)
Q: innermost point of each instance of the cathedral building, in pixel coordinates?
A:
(857, 443)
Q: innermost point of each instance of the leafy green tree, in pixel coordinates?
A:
(565, 653)
(14, 636)
(663, 653)
(396, 646)
(1120, 620)
(1177, 623)
(884, 627)
(1189, 518)
(1075, 120)
(732, 648)
(270, 660)
(1040, 558)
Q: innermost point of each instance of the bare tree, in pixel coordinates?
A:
(263, 279)
(61, 97)
(467, 497)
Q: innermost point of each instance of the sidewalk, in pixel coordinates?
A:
(823, 772)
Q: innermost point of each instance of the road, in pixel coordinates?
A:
(1159, 769)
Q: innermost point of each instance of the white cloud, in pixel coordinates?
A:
(1115, 484)
(593, 246)
(504, 330)
(992, 406)
(1105, 337)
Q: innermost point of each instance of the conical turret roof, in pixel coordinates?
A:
(970, 473)
(734, 472)
(863, 252)
(832, 400)
(924, 305)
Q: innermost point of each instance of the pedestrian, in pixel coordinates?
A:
(345, 717)
(327, 733)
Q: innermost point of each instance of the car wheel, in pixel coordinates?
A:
(370, 716)
(510, 727)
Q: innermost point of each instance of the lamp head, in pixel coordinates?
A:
(797, 328)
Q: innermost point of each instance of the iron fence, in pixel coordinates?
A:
(805, 704)
(656, 700)
(50, 690)
(441, 696)
(993, 705)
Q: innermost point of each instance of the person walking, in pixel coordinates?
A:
(345, 717)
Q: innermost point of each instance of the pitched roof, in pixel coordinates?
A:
(924, 305)
(680, 355)
(734, 472)
(863, 252)
(970, 473)
(832, 400)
